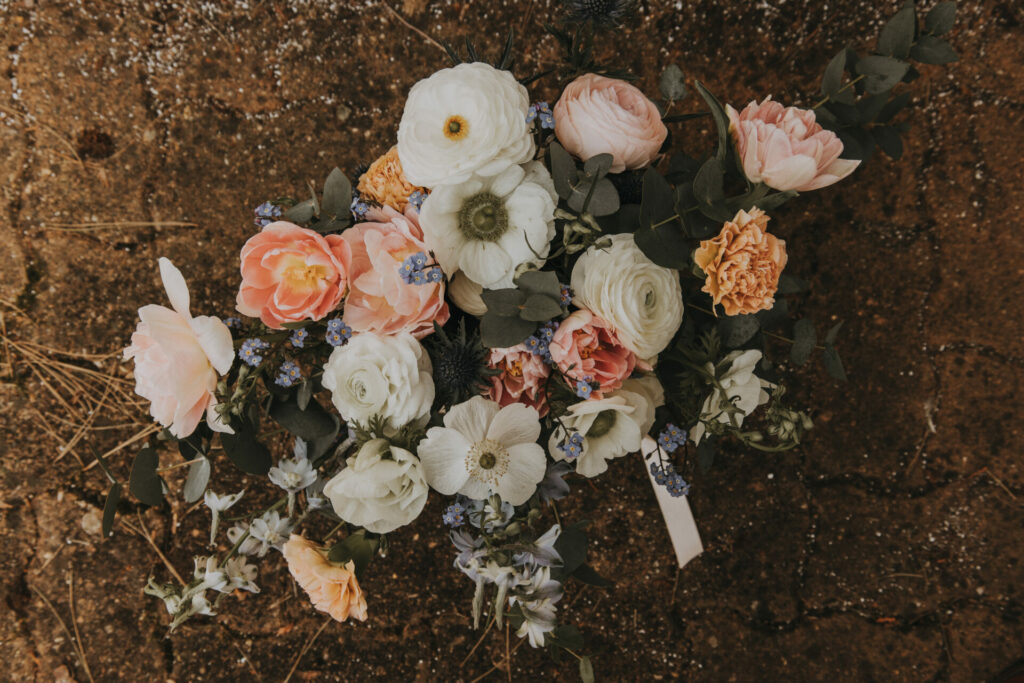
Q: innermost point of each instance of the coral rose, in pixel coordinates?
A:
(178, 358)
(385, 183)
(379, 300)
(599, 115)
(291, 274)
(585, 347)
(786, 148)
(331, 588)
(742, 264)
(520, 378)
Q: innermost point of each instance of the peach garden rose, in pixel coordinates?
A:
(742, 264)
(600, 115)
(379, 300)
(331, 588)
(585, 347)
(290, 274)
(520, 379)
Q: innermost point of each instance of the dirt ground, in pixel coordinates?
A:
(888, 547)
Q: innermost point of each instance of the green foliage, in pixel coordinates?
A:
(244, 450)
(672, 83)
(197, 480)
(706, 454)
(313, 424)
(721, 120)
(110, 509)
(661, 234)
(331, 212)
(144, 483)
(513, 314)
(833, 364)
(805, 339)
(737, 330)
(357, 548)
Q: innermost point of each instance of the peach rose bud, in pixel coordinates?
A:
(385, 183)
(331, 588)
(586, 348)
(291, 274)
(742, 264)
(786, 148)
(599, 115)
(379, 300)
(520, 379)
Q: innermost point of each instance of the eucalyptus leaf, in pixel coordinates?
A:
(337, 197)
(672, 83)
(500, 332)
(940, 19)
(705, 454)
(540, 308)
(708, 186)
(563, 170)
(833, 364)
(791, 284)
(144, 483)
(898, 33)
(721, 120)
(830, 336)
(597, 166)
(888, 141)
(805, 338)
(302, 212)
(737, 330)
(588, 575)
(586, 670)
(197, 480)
(244, 450)
(932, 50)
(308, 424)
(571, 546)
(110, 509)
(881, 73)
(540, 282)
(505, 302)
(893, 107)
(304, 393)
(657, 202)
(832, 79)
(355, 548)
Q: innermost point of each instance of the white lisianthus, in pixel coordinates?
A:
(380, 375)
(469, 119)
(483, 449)
(377, 492)
(640, 299)
(487, 226)
(610, 428)
(742, 388)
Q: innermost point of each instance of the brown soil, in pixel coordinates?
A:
(888, 547)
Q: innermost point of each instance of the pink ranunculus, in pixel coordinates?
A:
(379, 300)
(786, 148)
(521, 378)
(585, 347)
(291, 274)
(178, 358)
(600, 115)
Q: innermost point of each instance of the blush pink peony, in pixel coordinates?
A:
(178, 359)
(331, 588)
(379, 300)
(600, 115)
(520, 379)
(585, 347)
(786, 148)
(291, 274)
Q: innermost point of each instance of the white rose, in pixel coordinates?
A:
(380, 375)
(742, 388)
(488, 226)
(377, 492)
(469, 119)
(640, 299)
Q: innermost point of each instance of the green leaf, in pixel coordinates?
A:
(540, 308)
(604, 199)
(657, 199)
(898, 33)
(586, 670)
(242, 449)
(310, 424)
(110, 509)
(737, 330)
(880, 73)
(304, 393)
(830, 336)
(833, 364)
(665, 245)
(597, 166)
(832, 79)
(540, 282)
(197, 480)
(563, 170)
(500, 332)
(302, 212)
(568, 637)
(504, 302)
(708, 185)
(571, 546)
(940, 19)
(355, 547)
(193, 445)
(672, 83)
(144, 483)
(805, 338)
(893, 107)
(888, 140)
(337, 196)
(721, 120)
(775, 200)
(705, 454)
(791, 284)
(932, 50)
(588, 575)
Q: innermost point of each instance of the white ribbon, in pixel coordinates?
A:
(678, 518)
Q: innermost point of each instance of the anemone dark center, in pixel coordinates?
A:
(483, 218)
(602, 424)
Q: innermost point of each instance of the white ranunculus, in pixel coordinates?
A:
(381, 489)
(469, 119)
(487, 226)
(484, 449)
(743, 389)
(609, 427)
(640, 299)
(380, 375)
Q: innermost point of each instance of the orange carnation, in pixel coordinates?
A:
(743, 264)
(385, 183)
(331, 588)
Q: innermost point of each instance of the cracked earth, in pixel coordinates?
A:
(888, 547)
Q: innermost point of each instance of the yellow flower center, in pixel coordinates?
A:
(305, 275)
(456, 127)
(512, 369)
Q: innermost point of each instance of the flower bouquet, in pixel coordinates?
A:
(511, 298)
